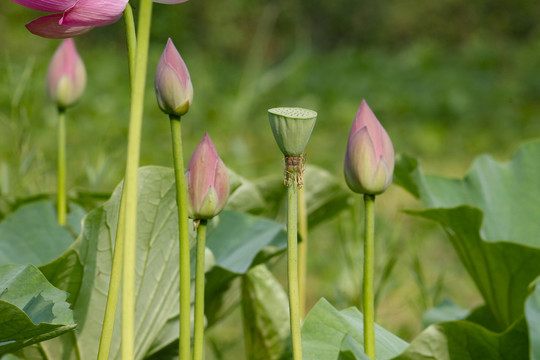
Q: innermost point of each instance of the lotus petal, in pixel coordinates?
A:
(49, 27)
(47, 5)
(94, 13)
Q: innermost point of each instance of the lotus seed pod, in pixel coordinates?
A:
(292, 128)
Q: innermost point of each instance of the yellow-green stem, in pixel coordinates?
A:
(114, 285)
(116, 268)
(61, 194)
(355, 267)
(185, 277)
(369, 269)
(131, 40)
(302, 249)
(130, 180)
(292, 268)
(198, 337)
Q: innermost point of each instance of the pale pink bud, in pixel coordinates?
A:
(66, 77)
(174, 90)
(207, 181)
(369, 161)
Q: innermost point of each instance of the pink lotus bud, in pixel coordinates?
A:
(369, 161)
(66, 77)
(207, 181)
(174, 91)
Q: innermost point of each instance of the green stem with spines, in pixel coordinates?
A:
(61, 202)
(302, 249)
(198, 337)
(183, 225)
(292, 267)
(369, 273)
(116, 268)
(130, 180)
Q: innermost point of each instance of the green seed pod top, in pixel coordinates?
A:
(292, 128)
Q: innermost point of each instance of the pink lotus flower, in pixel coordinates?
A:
(72, 17)
(369, 160)
(207, 181)
(66, 77)
(174, 90)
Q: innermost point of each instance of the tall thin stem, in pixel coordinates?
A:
(131, 40)
(302, 249)
(369, 270)
(130, 180)
(61, 194)
(116, 268)
(114, 285)
(292, 268)
(198, 339)
(355, 267)
(185, 277)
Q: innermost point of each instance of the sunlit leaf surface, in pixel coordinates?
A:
(328, 334)
(491, 218)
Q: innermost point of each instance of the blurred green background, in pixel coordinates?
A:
(448, 79)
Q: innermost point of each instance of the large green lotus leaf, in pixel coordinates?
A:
(238, 238)
(507, 193)
(325, 197)
(84, 269)
(165, 345)
(447, 310)
(10, 357)
(222, 295)
(532, 315)
(245, 196)
(328, 334)
(31, 309)
(502, 271)
(350, 350)
(465, 340)
(482, 316)
(239, 242)
(31, 234)
(265, 309)
(66, 272)
(491, 217)
(156, 266)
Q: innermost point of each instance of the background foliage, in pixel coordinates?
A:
(449, 80)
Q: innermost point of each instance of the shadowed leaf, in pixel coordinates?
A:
(31, 309)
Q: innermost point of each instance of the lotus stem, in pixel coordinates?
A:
(130, 180)
(293, 177)
(114, 287)
(302, 250)
(131, 40)
(369, 270)
(183, 225)
(198, 340)
(61, 193)
(116, 268)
